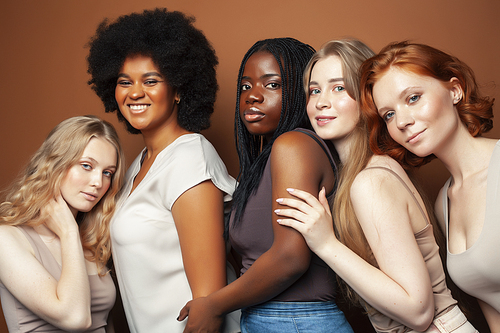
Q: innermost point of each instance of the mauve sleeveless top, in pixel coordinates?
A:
(253, 236)
(20, 319)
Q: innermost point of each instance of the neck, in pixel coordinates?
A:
(464, 155)
(343, 147)
(158, 139)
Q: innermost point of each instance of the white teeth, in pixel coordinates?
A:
(137, 107)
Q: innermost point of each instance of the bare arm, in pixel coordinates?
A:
(64, 303)
(401, 288)
(199, 219)
(491, 315)
(287, 259)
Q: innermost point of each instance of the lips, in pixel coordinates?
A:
(323, 120)
(138, 108)
(252, 115)
(90, 196)
(415, 137)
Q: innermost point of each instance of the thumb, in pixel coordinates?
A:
(324, 201)
(183, 313)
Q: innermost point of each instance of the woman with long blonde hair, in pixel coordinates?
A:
(382, 245)
(54, 231)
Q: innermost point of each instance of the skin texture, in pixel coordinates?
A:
(260, 100)
(400, 288)
(289, 257)
(330, 108)
(64, 303)
(412, 104)
(200, 226)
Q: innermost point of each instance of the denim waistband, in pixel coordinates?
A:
(292, 308)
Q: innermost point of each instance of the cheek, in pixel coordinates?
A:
(394, 132)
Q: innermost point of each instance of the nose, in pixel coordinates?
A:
(323, 102)
(404, 119)
(96, 180)
(254, 96)
(136, 91)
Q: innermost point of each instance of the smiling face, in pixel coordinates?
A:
(87, 181)
(143, 95)
(332, 112)
(260, 98)
(419, 111)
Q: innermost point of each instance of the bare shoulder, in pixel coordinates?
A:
(298, 148)
(13, 238)
(375, 181)
(294, 141)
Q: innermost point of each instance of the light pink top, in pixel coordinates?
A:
(20, 319)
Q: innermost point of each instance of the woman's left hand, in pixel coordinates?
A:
(201, 317)
(309, 216)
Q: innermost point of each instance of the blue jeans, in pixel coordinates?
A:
(297, 317)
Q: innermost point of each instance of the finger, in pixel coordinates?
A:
(305, 196)
(183, 313)
(324, 201)
(299, 226)
(296, 204)
(294, 214)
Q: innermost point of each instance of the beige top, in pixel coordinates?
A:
(477, 270)
(20, 319)
(426, 242)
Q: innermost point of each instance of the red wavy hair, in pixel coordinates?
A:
(475, 112)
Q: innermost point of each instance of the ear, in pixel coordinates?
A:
(456, 90)
(177, 98)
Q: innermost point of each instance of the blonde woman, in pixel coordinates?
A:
(54, 231)
(384, 250)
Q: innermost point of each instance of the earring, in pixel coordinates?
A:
(457, 99)
(177, 101)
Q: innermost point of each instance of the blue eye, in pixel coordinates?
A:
(86, 166)
(388, 116)
(413, 98)
(108, 174)
(314, 91)
(339, 88)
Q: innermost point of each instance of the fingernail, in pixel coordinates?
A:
(279, 200)
(289, 189)
(278, 220)
(276, 211)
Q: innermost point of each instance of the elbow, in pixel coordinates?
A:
(77, 322)
(295, 266)
(421, 320)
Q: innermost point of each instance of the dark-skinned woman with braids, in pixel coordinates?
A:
(283, 286)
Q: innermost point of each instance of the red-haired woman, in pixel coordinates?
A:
(422, 103)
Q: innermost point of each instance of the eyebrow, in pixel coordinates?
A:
(265, 76)
(143, 75)
(401, 95)
(95, 162)
(332, 80)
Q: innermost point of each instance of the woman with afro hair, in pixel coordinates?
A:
(157, 71)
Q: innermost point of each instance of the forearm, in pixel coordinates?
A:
(412, 308)
(73, 290)
(269, 276)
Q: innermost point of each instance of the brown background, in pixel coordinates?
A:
(43, 69)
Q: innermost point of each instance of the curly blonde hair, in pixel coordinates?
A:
(42, 178)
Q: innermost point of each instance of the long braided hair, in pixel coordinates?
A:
(253, 150)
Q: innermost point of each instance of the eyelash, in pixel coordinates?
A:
(386, 116)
